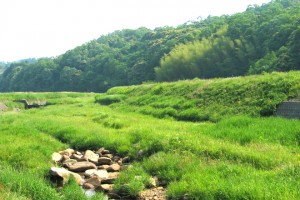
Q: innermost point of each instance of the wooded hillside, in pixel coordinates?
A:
(262, 39)
(2, 67)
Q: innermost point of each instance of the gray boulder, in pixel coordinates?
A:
(82, 166)
(102, 173)
(64, 175)
(104, 161)
(114, 167)
(91, 156)
(95, 181)
(56, 157)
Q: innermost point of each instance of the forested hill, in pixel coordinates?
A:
(3, 66)
(262, 39)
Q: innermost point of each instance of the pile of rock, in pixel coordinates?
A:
(93, 170)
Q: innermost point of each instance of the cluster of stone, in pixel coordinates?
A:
(93, 170)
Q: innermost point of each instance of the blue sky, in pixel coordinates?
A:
(48, 28)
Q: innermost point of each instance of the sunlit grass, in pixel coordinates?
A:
(210, 100)
(188, 147)
(227, 157)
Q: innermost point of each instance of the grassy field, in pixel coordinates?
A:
(208, 100)
(202, 139)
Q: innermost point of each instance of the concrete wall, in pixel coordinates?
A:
(289, 109)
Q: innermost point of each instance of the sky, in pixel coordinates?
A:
(48, 28)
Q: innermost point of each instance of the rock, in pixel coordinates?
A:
(82, 166)
(107, 187)
(88, 186)
(113, 175)
(103, 167)
(67, 152)
(100, 169)
(107, 155)
(116, 158)
(70, 151)
(113, 168)
(65, 157)
(56, 157)
(126, 159)
(104, 161)
(102, 174)
(69, 162)
(61, 173)
(76, 157)
(91, 156)
(111, 179)
(78, 178)
(95, 181)
(65, 175)
(90, 172)
(99, 151)
(105, 152)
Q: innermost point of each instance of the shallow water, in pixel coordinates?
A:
(89, 193)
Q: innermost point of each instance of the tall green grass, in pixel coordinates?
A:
(132, 181)
(247, 130)
(240, 156)
(227, 181)
(214, 99)
(176, 151)
(26, 183)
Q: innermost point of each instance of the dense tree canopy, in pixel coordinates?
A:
(3, 66)
(262, 39)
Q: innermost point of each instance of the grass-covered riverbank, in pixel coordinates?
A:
(233, 155)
